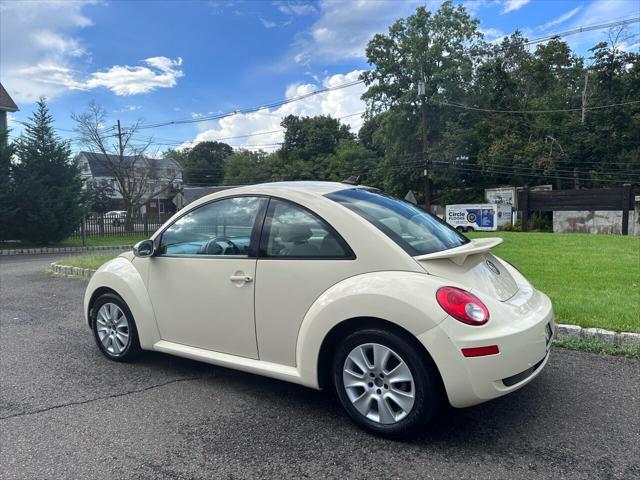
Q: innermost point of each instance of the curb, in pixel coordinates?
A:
(607, 337)
(69, 271)
(43, 250)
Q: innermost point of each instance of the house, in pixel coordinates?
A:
(167, 177)
(6, 105)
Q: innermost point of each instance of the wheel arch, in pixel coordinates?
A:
(94, 296)
(121, 278)
(348, 326)
(394, 300)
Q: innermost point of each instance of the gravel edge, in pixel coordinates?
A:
(563, 331)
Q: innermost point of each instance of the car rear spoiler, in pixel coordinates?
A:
(459, 254)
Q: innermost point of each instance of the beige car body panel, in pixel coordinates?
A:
(298, 302)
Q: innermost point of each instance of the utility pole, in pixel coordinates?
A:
(120, 152)
(584, 97)
(425, 144)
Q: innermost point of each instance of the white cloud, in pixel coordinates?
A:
(43, 56)
(492, 34)
(268, 23)
(336, 103)
(161, 72)
(40, 36)
(344, 28)
(513, 5)
(561, 19)
(128, 108)
(297, 8)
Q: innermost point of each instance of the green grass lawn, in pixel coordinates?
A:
(97, 241)
(593, 280)
(92, 260)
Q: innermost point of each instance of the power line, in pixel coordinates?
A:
(248, 135)
(587, 28)
(256, 108)
(560, 110)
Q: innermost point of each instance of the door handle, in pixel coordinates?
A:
(241, 278)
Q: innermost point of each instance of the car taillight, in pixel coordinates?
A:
(462, 305)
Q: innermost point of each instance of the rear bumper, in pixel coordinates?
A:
(521, 338)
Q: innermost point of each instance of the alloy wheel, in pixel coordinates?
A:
(378, 383)
(113, 328)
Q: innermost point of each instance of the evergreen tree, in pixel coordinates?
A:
(7, 197)
(48, 186)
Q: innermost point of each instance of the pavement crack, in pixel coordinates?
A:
(105, 397)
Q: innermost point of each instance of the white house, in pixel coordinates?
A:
(96, 168)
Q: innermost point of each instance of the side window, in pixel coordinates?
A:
(291, 231)
(218, 228)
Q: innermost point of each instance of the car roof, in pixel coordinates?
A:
(296, 191)
(313, 187)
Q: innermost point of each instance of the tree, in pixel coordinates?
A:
(138, 177)
(204, 163)
(244, 167)
(48, 185)
(308, 143)
(101, 195)
(434, 48)
(7, 193)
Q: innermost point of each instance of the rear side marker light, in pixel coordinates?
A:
(462, 305)
(480, 351)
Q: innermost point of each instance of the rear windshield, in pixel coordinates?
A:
(416, 231)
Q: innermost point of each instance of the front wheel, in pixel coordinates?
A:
(385, 383)
(114, 329)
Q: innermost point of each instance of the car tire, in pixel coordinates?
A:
(114, 328)
(471, 229)
(425, 383)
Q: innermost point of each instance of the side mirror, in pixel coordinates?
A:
(145, 248)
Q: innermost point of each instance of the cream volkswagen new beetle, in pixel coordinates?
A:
(328, 285)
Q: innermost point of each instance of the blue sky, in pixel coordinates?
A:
(171, 60)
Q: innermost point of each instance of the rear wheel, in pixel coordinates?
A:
(384, 383)
(114, 329)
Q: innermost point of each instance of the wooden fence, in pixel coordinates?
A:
(621, 198)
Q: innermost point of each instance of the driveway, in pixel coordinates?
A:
(67, 412)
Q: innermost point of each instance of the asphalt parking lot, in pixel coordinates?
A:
(67, 412)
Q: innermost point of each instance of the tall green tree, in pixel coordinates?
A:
(308, 143)
(244, 167)
(436, 48)
(204, 163)
(7, 191)
(48, 186)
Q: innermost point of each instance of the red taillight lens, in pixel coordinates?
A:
(462, 305)
(481, 351)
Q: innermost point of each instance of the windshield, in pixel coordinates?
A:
(416, 231)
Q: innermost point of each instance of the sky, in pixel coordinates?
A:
(160, 61)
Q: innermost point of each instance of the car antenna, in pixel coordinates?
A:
(352, 180)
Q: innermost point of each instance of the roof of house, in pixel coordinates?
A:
(99, 165)
(6, 102)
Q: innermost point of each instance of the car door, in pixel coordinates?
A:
(301, 256)
(201, 281)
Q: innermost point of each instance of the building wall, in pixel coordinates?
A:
(595, 221)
